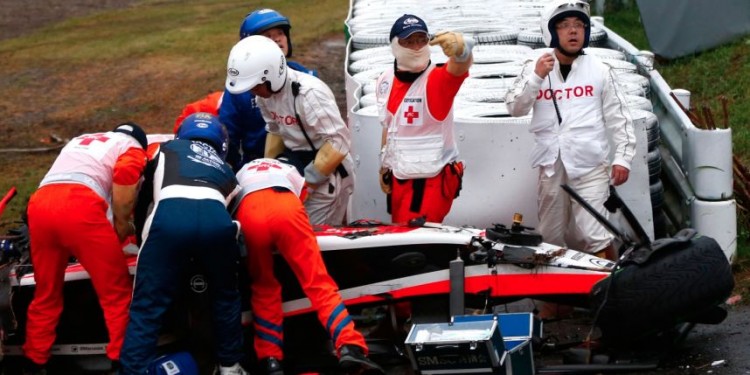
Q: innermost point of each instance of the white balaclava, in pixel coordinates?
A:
(410, 60)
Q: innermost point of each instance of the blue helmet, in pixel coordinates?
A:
(202, 126)
(261, 20)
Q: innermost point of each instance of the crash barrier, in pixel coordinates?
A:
(495, 147)
(697, 163)
(497, 344)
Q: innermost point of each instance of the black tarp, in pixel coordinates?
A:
(681, 27)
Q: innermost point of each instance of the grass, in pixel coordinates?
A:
(141, 63)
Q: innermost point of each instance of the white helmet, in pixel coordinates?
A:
(558, 10)
(255, 60)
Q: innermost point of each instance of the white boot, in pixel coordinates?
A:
(233, 370)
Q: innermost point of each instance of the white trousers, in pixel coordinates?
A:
(562, 221)
(328, 203)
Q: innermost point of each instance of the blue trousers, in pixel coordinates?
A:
(182, 229)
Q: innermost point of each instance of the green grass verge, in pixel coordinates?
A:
(724, 70)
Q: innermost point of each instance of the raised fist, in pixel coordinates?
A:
(453, 44)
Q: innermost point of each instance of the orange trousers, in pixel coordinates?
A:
(277, 220)
(433, 199)
(65, 220)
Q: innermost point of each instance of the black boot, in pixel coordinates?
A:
(114, 367)
(271, 366)
(352, 359)
(32, 368)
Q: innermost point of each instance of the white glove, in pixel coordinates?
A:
(454, 44)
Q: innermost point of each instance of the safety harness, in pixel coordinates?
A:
(302, 158)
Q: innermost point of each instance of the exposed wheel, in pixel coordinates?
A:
(678, 283)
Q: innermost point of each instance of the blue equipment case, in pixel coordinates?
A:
(474, 344)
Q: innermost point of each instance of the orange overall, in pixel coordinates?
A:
(430, 197)
(277, 220)
(71, 219)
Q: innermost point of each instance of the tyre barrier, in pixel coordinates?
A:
(465, 109)
(634, 78)
(532, 37)
(483, 95)
(380, 63)
(656, 190)
(605, 53)
(651, 124)
(500, 70)
(472, 83)
(639, 102)
(654, 167)
(630, 88)
(369, 52)
(676, 280)
(368, 100)
(620, 66)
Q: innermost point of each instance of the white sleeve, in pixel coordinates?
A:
(521, 97)
(322, 120)
(618, 120)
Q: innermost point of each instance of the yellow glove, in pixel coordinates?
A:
(453, 44)
(326, 161)
(274, 145)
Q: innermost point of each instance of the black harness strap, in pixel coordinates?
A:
(295, 92)
(417, 194)
(554, 101)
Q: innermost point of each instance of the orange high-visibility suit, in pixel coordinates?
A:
(273, 217)
(70, 214)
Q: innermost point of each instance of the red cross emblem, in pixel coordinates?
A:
(263, 166)
(87, 140)
(410, 115)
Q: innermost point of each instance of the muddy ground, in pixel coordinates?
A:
(728, 342)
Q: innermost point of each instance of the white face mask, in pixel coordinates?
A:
(409, 60)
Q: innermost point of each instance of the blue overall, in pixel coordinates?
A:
(181, 228)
